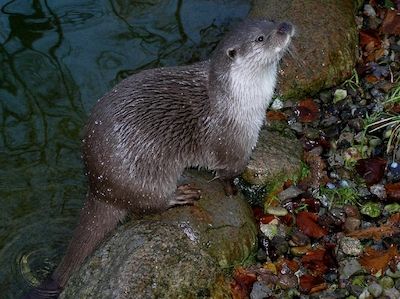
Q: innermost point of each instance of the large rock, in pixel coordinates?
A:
(326, 42)
(275, 159)
(178, 254)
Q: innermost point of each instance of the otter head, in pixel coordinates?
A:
(253, 45)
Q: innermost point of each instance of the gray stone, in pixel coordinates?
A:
(289, 193)
(349, 267)
(275, 159)
(177, 254)
(392, 293)
(325, 46)
(351, 246)
(375, 289)
(277, 211)
(260, 291)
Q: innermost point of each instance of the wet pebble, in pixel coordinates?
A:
(260, 290)
(378, 190)
(392, 274)
(349, 267)
(386, 282)
(298, 238)
(392, 293)
(277, 211)
(289, 193)
(371, 209)
(351, 224)
(369, 11)
(351, 246)
(351, 211)
(339, 95)
(375, 289)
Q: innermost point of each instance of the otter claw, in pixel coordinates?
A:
(185, 195)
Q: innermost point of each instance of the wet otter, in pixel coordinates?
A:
(152, 125)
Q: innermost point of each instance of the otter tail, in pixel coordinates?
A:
(97, 219)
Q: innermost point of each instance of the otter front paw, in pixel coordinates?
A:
(185, 195)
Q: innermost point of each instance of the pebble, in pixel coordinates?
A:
(351, 224)
(288, 281)
(349, 267)
(289, 193)
(392, 293)
(365, 294)
(351, 211)
(339, 95)
(277, 211)
(351, 246)
(375, 289)
(386, 282)
(270, 230)
(299, 239)
(300, 250)
(392, 208)
(392, 274)
(378, 190)
(369, 11)
(260, 291)
(371, 209)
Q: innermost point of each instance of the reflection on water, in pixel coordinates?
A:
(56, 59)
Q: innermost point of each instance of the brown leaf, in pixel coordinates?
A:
(276, 115)
(376, 233)
(307, 111)
(391, 22)
(377, 260)
(371, 169)
(242, 283)
(307, 223)
(394, 220)
(310, 284)
(313, 260)
(393, 191)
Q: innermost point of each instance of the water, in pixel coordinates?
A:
(56, 59)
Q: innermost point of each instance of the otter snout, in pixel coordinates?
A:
(285, 28)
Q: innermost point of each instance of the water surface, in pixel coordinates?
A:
(56, 59)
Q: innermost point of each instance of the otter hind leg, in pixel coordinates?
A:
(185, 195)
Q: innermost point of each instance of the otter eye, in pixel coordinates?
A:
(260, 38)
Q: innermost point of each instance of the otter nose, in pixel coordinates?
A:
(285, 28)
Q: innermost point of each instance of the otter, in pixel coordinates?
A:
(152, 125)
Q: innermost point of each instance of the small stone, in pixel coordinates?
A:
(351, 211)
(289, 193)
(392, 208)
(356, 290)
(300, 250)
(281, 245)
(277, 211)
(338, 213)
(270, 230)
(287, 281)
(375, 289)
(393, 274)
(369, 11)
(378, 190)
(299, 239)
(351, 224)
(349, 267)
(386, 282)
(277, 104)
(391, 293)
(351, 246)
(260, 290)
(339, 95)
(365, 294)
(371, 209)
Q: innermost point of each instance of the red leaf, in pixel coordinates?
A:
(378, 260)
(276, 115)
(242, 284)
(391, 22)
(310, 284)
(267, 219)
(307, 222)
(371, 169)
(393, 191)
(369, 39)
(307, 111)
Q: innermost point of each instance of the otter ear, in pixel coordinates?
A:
(231, 52)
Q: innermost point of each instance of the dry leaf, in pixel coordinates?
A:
(242, 283)
(377, 260)
(276, 115)
(391, 22)
(376, 233)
